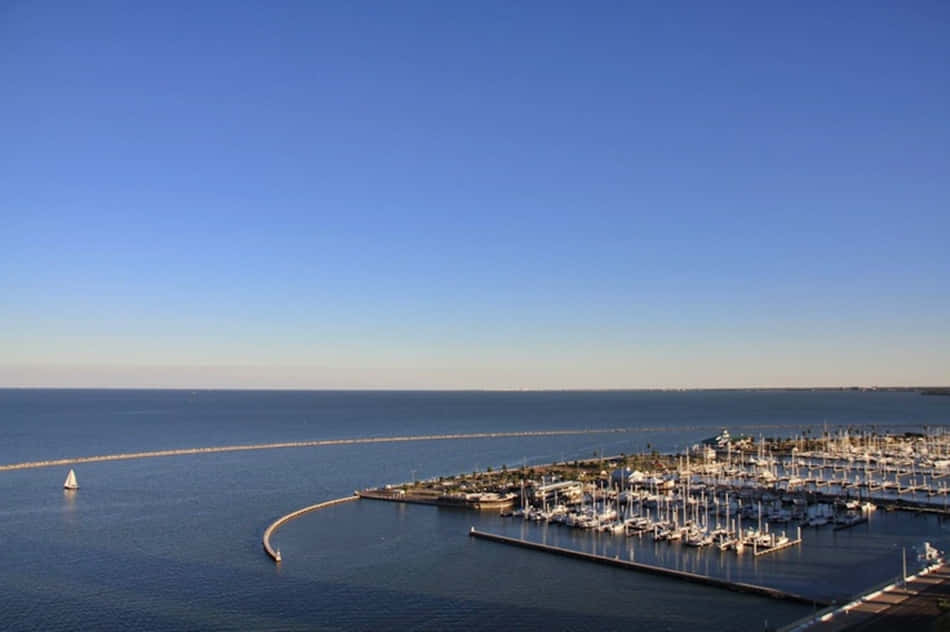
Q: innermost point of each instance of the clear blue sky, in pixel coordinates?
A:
(474, 195)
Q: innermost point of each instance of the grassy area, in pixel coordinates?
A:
(941, 623)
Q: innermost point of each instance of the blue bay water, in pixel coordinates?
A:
(174, 543)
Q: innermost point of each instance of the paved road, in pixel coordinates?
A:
(910, 608)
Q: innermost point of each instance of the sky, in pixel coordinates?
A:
(480, 195)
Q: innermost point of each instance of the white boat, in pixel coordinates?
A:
(697, 538)
(71, 481)
(930, 553)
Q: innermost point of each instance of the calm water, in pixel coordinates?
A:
(174, 543)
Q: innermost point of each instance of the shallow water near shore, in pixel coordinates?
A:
(174, 542)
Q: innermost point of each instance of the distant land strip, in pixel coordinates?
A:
(363, 440)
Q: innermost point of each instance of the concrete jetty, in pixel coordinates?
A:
(274, 554)
(647, 568)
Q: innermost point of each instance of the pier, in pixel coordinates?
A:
(647, 568)
(275, 554)
(765, 550)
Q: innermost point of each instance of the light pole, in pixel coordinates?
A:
(904, 566)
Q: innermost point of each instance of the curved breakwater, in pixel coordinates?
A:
(274, 555)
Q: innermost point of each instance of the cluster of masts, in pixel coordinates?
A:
(844, 464)
(803, 482)
(694, 517)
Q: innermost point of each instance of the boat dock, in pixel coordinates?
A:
(647, 568)
(850, 523)
(275, 554)
(765, 550)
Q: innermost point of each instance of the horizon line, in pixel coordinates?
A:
(875, 387)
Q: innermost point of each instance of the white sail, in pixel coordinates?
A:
(71, 481)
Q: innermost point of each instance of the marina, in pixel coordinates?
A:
(744, 497)
(188, 529)
(778, 486)
(412, 316)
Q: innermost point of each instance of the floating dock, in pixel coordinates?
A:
(274, 554)
(848, 525)
(757, 551)
(647, 568)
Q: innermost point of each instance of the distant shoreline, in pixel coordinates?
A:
(924, 390)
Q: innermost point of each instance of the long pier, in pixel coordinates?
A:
(275, 555)
(647, 568)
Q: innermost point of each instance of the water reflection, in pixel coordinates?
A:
(69, 504)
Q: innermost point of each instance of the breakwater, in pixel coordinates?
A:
(655, 570)
(307, 444)
(275, 554)
(352, 441)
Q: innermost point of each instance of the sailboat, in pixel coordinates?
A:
(71, 481)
